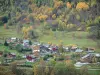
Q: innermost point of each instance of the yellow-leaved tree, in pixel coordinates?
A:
(68, 5)
(25, 31)
(82, 6)
(58, 4)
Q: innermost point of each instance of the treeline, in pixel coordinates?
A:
(64, 15)
(44, 68)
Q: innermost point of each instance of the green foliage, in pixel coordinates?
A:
(1, 23)
(5, 71)
(44, 2)
(95, 27)
(19, 47)
(33, 34)
(11, 45)
(10, 23)
(77, 17)
(6, 44)
(30, 42)
(47, 56)
(52, 62)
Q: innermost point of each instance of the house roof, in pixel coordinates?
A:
(13, 38)
(25, 41)
(79, 50)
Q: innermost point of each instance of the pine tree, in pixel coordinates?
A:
(6, 44)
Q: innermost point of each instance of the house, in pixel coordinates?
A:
(9, 40)
(35, 48)
(30, 58)
(73, 48)
(66, 49)
(90, 50)
(25, 43)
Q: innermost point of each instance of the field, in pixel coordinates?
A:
(80, 38)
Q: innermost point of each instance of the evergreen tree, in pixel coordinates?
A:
(6, 44)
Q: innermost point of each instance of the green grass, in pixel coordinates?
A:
(4, 48)
(11, 32)
(95, 72)
(80, 38)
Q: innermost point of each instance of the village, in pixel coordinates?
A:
(27, 53)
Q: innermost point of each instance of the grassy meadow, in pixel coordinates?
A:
(80, 38)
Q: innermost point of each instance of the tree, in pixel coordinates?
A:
(68, 5)
(6, 44)
(5, 71)
(60, 48)
(82, 6)
(14, 67)
(60, 69)
(84, 70)
(25, 31)
(19, 47)
(46, 70)
(30, 42)
(44, 2)
(58, 4)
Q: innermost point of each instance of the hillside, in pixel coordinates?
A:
(61, 24)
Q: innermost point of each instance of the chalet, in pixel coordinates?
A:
(90, 50)
(73, 48)
(35, 48)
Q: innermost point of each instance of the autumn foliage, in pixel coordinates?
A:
(25, 31)
(68, 5)
(58, 4)
(41, 17)
(82, 5)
